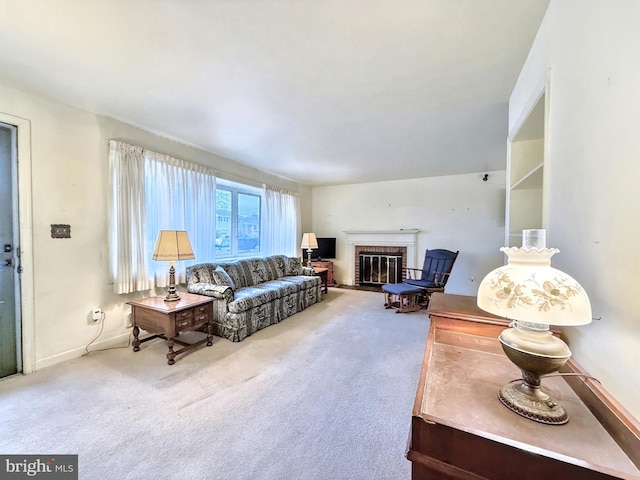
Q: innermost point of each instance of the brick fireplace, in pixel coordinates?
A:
(377, 265)
(391, 242)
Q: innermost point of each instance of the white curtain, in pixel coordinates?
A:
(181, 197)
(153, 192)
(129, 259)
(281, 222)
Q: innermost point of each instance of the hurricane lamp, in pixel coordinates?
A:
(533, 295)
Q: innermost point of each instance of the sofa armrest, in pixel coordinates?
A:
(308, 271)
(221, 292)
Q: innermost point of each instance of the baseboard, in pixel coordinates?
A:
(45, 362)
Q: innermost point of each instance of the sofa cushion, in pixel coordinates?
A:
(250, 297)
(237, 274)
(294, 266)
(283, 287)
(280, 264)
(260, 270)
(303, 281)
(221, 277)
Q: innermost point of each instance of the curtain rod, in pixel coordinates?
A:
(281, 190)
(218, 173)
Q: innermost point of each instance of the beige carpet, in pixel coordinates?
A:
(325, 394)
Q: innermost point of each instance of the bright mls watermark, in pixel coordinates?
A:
(52, 467)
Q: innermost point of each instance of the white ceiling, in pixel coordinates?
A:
(318, 91)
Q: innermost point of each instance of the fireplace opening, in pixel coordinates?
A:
(363, 277)
(380, 268)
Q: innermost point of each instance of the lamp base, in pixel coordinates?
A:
(532, 403)
(172, 295)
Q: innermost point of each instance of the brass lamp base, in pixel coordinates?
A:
(172, 295)
(537, 352)
(532, 403)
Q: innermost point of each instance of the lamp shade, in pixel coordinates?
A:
(173, 245)
(528, 289)
(309, 241)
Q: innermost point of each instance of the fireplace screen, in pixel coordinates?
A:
(378, 268)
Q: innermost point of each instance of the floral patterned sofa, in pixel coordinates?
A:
(252, 294)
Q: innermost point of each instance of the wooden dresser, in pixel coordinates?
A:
(460, 430)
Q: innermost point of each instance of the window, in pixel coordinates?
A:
(238, 217)
(151, 191)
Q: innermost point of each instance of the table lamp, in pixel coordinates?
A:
(309, 241)
(533, 295)
(173, 245)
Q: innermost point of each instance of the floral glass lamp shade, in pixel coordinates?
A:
(309, 242)
(173, 245)
(534, 295)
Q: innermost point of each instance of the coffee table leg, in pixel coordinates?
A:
(136, 341)
(171, 355)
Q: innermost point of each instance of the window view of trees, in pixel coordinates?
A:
(237, 222)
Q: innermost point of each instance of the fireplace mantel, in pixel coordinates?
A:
(404, 237)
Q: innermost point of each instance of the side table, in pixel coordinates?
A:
(328, 264)
(322, 272)
(167, 319)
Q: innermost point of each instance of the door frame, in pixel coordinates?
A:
(22, 138)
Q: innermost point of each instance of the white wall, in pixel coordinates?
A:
(591, 48)
(458, 212)
(70, 181)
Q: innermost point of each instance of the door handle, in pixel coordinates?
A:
(8, 262)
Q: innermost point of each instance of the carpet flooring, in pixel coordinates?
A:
(326, 394)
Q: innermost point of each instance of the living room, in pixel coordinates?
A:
(585, 48)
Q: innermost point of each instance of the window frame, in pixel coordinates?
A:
(236, 189)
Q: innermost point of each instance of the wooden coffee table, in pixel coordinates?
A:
(168, 319)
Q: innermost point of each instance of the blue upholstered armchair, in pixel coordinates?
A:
(435, 272)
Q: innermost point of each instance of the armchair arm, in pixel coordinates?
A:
(308, 271)
(414, 273)
(440, 278)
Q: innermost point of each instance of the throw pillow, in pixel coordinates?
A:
(221, 277)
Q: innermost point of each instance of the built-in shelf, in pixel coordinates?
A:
(532, 179)
(525, 166)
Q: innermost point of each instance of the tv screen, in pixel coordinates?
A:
(326, 249)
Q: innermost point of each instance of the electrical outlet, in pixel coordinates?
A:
(96, 314)
(127, 320)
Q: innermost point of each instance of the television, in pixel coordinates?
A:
(326, 249)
